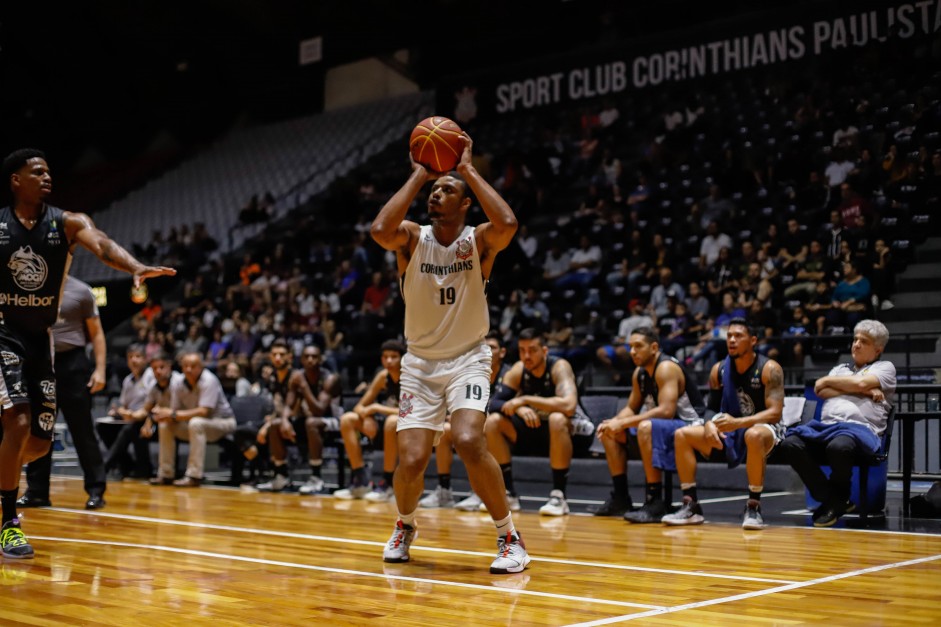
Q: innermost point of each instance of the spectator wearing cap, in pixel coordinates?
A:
(659, 294)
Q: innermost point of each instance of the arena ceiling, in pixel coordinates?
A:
(113, 74)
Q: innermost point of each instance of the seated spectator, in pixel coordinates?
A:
(539, 420)
(747, 390)
(812, 270)
(217, 350)
(584, 264)
(134, 391)
(198, 413)
(659, 294)
(851, 297)
(857, 400)
(533, 310)
(833, 235)
(794, 248)
(722, 277)
(819, 304)
(556, 264)
(852, 206)
(233, 382)
(715, 207)
(795, 337)
(617, 354)
(882, 277)
(711, 244)
(662, 400)
(696, 303)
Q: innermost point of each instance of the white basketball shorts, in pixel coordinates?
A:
(433, 388)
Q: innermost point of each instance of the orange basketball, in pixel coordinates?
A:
(436, 143)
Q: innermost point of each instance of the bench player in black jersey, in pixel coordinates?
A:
(748, 390)
(662, 400)
(36, 245)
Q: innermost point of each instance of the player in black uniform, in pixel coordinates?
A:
(539, 419)
(660, 403)
(378, 406)
(36, 244)
(748, 390)
(271, 433)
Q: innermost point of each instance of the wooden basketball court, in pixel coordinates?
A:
(216, 556)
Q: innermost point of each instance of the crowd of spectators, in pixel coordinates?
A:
(788, 201)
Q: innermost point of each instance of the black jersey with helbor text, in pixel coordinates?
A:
(35, 264)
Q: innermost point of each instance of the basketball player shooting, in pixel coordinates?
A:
(443, 268)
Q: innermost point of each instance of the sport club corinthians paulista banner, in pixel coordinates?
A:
(796, 34)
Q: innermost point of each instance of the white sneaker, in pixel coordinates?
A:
(440, 498)
(470, 504)
(353, 492)
(556, 505)
(397, 547)
(314, 485)
(511, 556)
(381, 494)
(275, 485)
(512, 502)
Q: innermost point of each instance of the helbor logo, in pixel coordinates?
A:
(29, 269)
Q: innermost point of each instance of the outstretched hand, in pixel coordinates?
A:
(148, 272)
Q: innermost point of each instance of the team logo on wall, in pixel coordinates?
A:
(465, 106)
(47, 421)
(464, 249)
(405, 405)
(29, 269)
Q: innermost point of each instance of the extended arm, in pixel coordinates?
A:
(80, 228)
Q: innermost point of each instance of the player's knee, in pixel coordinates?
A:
(492, 424)
(16, 424)
(389, 426)
(644, 429)
(349, 421)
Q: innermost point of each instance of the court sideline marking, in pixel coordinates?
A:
(432, 549)
(359, 573)
(758, 593)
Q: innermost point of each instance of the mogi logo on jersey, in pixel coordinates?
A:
(9, 359)
(47, 421)
(464, 249)
(29, 269)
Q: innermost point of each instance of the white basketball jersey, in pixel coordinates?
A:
(445, 306)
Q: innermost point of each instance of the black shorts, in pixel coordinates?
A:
(27, 377)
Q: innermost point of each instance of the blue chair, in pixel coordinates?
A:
(870, 477)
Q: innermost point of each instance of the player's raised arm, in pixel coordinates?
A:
(495, 235)
(390, 229)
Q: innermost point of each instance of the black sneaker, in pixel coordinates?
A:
(28, 500)
(652, 512)
(13, 542)
(829, 513)
(614, 506)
